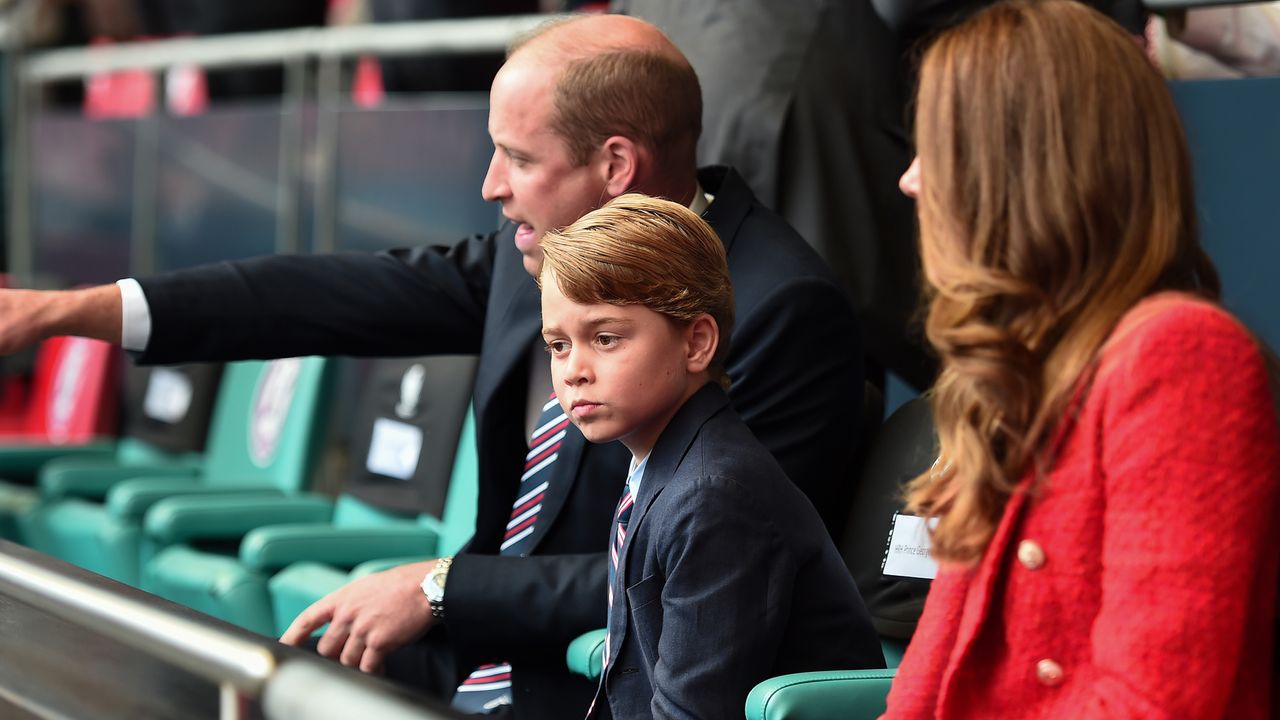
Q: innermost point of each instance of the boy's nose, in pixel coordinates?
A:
(577, 372)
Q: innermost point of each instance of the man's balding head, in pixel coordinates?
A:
(585, 110)
(580, 36)
(618, 76)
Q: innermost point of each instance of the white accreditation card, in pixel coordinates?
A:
(908, 553)
(394, 449)
(168, 396)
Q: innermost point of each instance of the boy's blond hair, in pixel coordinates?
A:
(639, 250)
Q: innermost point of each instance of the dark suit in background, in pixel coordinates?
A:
(726, 578)
(795, 362)
(808, 99)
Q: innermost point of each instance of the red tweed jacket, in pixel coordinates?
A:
(1139, 580)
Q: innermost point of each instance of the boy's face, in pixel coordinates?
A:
(622, 372)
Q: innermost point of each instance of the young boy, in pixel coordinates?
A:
(721, 572)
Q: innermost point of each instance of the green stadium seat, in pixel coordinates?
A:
(414, 494)
(264, 436)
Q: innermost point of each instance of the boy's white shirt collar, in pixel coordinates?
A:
(701, 200)
(636, 473)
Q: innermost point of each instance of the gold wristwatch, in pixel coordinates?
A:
(433, 586)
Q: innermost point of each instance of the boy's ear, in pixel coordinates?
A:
(702, 336)
(620, 163)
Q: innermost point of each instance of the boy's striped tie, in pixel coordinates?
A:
(489, 687)
(621, 518)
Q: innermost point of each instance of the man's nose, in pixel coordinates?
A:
(495, 180)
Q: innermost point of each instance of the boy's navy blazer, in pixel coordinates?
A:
(726, 577)
(795, 360)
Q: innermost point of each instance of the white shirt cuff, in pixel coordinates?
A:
(135, 325)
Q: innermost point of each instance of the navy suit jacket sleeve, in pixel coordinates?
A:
(524, 608)
(403, 302)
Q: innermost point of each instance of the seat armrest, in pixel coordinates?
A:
(586, 654)
(273, 547)
(386, 563)
(23, 461)
(202, 517)
(92, 479)
(833, 695)
(130, 499)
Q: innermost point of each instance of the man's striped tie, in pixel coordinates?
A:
(489, 687)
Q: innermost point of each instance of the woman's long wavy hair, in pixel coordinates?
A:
(1055, 194)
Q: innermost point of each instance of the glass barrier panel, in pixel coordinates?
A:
(218, 185)
(81, 198)
(410, 173)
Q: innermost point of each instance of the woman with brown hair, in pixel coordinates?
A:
(1109, 449)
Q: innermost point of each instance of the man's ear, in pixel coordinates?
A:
(702, 337)
(620, 163)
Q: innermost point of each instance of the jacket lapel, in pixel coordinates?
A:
(661, 470)
(513, 321)
(733, 200)
(978, 601)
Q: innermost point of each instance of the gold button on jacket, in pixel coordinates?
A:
(1030, 555)
(1048, 672)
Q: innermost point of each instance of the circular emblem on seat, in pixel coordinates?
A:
(66, 387)
(270, 408)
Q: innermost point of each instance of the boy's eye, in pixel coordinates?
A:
(556, 347)
(607, 340)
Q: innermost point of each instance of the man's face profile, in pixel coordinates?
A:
(531, 172)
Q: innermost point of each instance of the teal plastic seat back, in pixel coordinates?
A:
(268, 423)
(458, 521)
(893, 651)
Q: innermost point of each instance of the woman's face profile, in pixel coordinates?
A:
(909, 183)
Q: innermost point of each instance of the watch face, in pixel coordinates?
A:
(432, 589)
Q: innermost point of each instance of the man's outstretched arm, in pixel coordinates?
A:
(29, 316)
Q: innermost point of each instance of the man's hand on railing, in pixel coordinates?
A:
(368, 618)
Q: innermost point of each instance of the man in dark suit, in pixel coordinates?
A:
(721, 574)
(582, 112)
